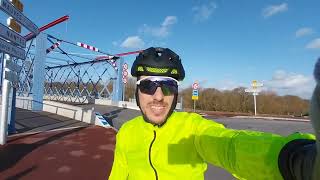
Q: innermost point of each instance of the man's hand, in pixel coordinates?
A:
(315, 117)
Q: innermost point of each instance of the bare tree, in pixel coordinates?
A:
(237, 100)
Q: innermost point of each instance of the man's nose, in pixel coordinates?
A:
(158, 95)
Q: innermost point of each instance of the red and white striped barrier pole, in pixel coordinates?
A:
(55, 45)
(87, 46)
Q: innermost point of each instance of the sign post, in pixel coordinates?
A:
(12, 76)
(16, 39)
(11, 45)
(255, 89)
(4, 111)
(195, 94)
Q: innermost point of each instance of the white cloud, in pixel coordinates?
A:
(169, 20)
(274, 9)
(304, 32)
(132, 42)
(284, 83)
(203, 12)
(162, 30)
(314, 44)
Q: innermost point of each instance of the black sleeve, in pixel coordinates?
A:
(296, 159)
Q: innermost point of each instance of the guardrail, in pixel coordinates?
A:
(66, 110)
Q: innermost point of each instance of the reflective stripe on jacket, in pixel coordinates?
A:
(183, 146)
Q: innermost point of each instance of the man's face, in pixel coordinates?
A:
(156, 107)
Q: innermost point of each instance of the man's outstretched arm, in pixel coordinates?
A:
(252, 154)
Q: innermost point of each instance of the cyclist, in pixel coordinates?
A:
(164, 144)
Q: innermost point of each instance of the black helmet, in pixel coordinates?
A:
(158, 62)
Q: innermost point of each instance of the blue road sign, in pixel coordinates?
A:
(195, 93)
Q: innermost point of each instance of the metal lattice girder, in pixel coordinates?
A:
(25, 75)
(80, 82)
(67, 77)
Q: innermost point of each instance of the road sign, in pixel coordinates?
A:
(195, 93)
(8, 8)
(12, 36)
(195, 97)
(256, 84)
(125, 66)
(17, 4)
(124, 80)
(11, 76)
(12, 50)
(125, 73)
(12, 66)
(253, 90)
(195, 85)
(13, 25)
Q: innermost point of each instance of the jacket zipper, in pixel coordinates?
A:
(154, 169)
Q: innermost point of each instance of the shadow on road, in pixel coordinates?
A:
(21, 174)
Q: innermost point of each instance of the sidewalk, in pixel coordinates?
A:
(66, 153)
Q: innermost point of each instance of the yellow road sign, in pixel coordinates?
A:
(17, 4)
(10, 21)
(14, 25)
(195, 97)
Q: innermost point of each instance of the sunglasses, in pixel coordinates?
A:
(149, 85)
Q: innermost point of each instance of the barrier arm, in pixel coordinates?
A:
(47, 26)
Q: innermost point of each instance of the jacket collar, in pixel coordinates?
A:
(151, 127)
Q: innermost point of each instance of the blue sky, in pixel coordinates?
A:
(223, 44)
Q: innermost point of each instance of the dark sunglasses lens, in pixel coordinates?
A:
(168, 87)
(168, 90)
(147, 87)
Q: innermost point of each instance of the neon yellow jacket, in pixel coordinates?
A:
(181, 148)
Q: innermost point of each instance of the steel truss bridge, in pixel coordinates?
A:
(72, 77)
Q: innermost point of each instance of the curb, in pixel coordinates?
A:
(272, 118)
